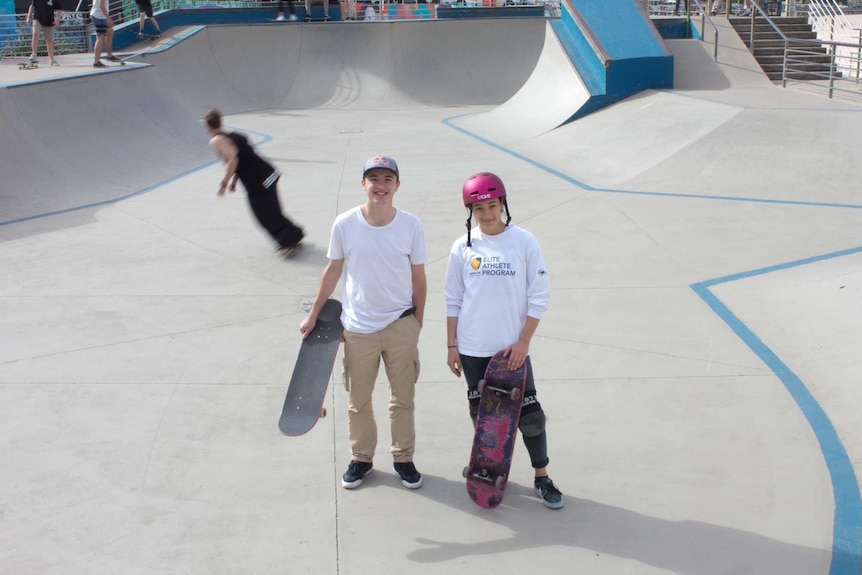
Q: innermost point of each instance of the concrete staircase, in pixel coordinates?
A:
(769, 47)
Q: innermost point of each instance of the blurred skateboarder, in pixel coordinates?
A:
(260, 179)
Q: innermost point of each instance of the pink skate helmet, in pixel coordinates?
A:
(482, 187)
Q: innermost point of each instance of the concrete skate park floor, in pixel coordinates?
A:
(698, 362)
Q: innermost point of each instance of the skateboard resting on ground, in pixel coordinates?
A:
(502, 391)
(303, 404)
(27, 66)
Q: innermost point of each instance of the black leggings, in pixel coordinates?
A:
(267, 209)
(289, 6)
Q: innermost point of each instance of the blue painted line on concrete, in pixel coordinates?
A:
(266, 139)
(585, 186)
(847, 521)
(110, 201)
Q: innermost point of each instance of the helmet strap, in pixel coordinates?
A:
(508, 216)
(469, 221)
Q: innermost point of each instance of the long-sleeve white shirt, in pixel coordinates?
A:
(493, 286)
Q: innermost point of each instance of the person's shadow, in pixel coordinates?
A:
(686, 547)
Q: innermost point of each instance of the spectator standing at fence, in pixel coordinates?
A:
(677, 11)
(351, 10)
(145, 7)
(290, 10)
(308, 10)
(45, 18)
(104, 33)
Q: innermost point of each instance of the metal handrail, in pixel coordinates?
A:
(829, 21)
(790, 51)
(703, 19)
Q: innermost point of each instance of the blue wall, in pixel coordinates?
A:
(7, 22)
(615, 48)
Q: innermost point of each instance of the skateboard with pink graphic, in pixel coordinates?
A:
(502, 391)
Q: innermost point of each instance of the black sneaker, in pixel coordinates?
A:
(99, 65)
(410, 478)
(112, 58)
(356, 471)
(551, 496)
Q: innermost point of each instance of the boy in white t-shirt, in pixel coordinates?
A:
(381, 251)
(496, 291)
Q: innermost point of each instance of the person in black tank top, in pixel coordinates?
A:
(260, 180)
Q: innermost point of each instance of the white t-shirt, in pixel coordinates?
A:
(493, 286)
(96, 10)
(378, 280)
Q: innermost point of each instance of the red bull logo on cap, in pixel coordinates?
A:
(382, 162)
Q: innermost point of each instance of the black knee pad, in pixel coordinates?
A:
(532, 424)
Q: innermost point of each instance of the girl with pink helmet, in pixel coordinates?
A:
(497, 289)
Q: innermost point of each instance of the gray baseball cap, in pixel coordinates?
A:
(381, 162)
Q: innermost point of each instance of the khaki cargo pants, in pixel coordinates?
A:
(397, 345)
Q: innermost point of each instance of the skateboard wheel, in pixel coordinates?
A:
(322, 412)
(515, 393)
(481, 385)
(498, 483)
(465, 472)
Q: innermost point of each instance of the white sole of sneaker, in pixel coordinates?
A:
(416, 485)
(357, 483)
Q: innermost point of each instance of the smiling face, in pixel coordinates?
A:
(489, 216)
(380, 185)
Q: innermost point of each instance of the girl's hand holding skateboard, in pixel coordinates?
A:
(517, 354)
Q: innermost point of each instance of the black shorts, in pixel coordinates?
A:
(100, 24)
(145, 7)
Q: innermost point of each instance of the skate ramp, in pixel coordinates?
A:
(596, 54)
(91, 139)
(376, 65)
(550, 96)
(86, 139)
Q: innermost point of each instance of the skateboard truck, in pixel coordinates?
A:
(484, 475)
(514, 393)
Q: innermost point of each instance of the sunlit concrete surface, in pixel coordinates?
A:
(699, 362)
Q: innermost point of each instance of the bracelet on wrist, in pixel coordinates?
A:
(450, 346)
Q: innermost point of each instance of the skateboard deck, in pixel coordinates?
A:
(303, 404)
(502, 391)
(27, 66)
(150, 36)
